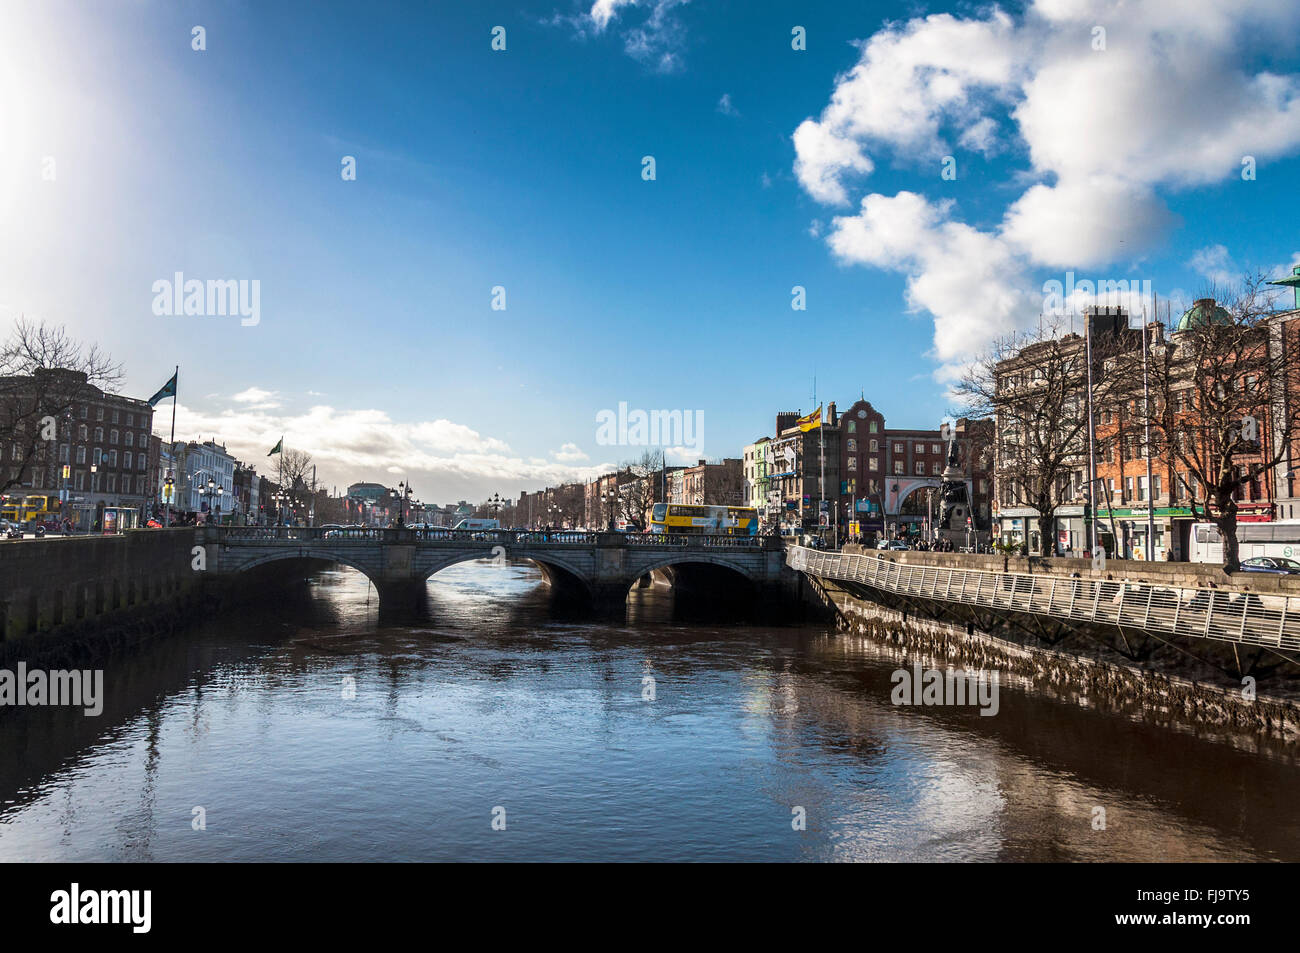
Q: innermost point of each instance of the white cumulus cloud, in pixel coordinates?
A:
(1109, 104)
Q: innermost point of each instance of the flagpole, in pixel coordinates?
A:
(171, 446)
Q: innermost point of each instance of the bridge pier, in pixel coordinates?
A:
(609, 599)
(402, 599)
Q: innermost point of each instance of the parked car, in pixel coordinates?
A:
(897, 545)
(1274, 565)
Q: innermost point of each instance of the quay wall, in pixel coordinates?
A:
(57, 590)
(1071, 674)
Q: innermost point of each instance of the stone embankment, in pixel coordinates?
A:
(1079, 672)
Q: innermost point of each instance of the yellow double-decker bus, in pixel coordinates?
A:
(704, 520)
(31, 509)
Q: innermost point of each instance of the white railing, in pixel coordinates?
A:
(1230, 615)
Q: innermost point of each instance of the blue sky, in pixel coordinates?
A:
(377, 349)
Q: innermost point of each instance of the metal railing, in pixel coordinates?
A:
(1229, 615)
(271, 535)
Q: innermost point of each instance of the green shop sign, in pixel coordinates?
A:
(1130, 513)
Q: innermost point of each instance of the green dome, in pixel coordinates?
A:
(1203, 312)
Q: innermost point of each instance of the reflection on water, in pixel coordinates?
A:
(499, 704)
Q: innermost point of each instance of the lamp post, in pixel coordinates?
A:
(213, 492)
(401, 495)
(611, 497)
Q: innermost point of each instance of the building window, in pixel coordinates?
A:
(83, 432)
(99, 435)
(96, 456)
(935, 448)
(112, 436)
(898, 467)
(853, 445)
(898, 448)
(935, 469)
(130, 439)
(853, 463)
(99, 413)
(871, 427)
(126, 460)
(1155, 488)
(81, 454)
(853, 426)
(130, 420)
(872, 463)
(1128, 489)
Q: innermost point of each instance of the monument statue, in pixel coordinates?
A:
(955, 505)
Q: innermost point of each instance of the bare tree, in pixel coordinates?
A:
(1215, 388)
(571, 505)
(1035, 389)
(639, 492)
(295, 470)
(44, 373)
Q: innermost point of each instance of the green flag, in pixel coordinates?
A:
(278, 448)
(168, 390)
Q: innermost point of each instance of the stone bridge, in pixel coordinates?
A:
(595, 568)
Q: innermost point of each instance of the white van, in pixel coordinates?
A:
(478, 524)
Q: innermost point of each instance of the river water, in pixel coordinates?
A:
(308, 731)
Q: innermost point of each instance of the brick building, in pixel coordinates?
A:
(102, 439)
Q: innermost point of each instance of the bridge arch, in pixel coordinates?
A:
(562, 573)
(713, 559)
(701, 577)
(313, 556)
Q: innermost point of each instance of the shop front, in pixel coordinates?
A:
(1018, 525)
(1124, 531)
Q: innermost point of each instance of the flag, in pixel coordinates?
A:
(278, 448)
(168, 390)
(811, 422)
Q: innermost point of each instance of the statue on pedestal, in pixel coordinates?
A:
(955, 507)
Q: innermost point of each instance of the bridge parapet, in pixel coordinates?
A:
(476, 539)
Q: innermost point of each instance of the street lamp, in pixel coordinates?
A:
(611, 497)
(402, 494)
(213, 492)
